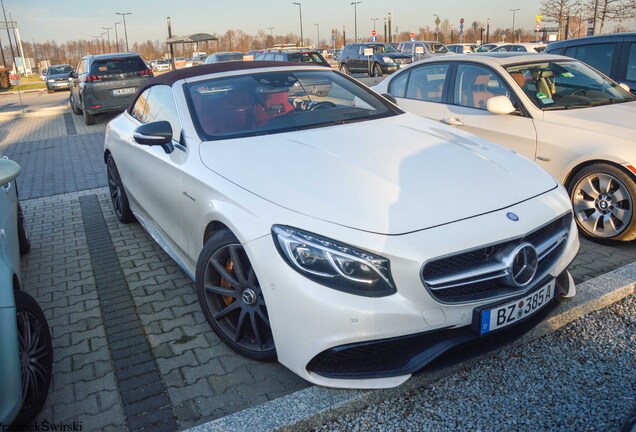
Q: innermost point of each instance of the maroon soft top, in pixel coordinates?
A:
(170, 78)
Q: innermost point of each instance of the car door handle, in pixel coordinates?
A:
(453, 121)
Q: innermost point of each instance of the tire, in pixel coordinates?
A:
(603, 198)
(231, 298)
(89, 119)
(23, 233)
(76, 110)
(376, 70)
(36, 356)
(344, 69)
(118, 193)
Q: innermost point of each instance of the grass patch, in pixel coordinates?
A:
(32, 82)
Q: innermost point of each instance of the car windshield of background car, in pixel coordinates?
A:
(437, 48)
(59, 70)
(275, 102)
(382, 48)
(567, 85)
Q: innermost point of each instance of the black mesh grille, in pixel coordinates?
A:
(491, 288)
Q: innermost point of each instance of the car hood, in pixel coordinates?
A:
(388, 176)
(57, 76)
(393, 55)
(615, 120)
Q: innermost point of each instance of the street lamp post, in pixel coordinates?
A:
(108, 29)
(436, 27)
(96, 39)
(514, 11)
(488, 30)
(271, 31)
(385, 41)
(389, 27)
(300, 12)
(123, 14)
(355, 20)
(103, 46)
(374, 20)
(117, 37)
(318, 29)
(453, 33)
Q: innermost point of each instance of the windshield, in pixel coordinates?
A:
(438, 48)
(54, 70)
(558, 85)
(275, 102)
(382, 48)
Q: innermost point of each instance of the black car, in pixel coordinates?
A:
(384, 59)
(57, 77)
(612, 54)
(106, 83)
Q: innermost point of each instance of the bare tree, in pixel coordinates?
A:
(615, 10)
(556, 10)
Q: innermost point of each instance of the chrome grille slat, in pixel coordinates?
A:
(473, 275)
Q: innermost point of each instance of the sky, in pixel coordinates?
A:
(62, 20)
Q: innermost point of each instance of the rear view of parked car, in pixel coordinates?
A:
(106, 83)
(612, 54)
(26, 352)
(373, 58)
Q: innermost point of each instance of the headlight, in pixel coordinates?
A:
(51, 80)
(388, 60)
(335, 265)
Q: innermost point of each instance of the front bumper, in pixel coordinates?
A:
(57, 85)
(308, 319)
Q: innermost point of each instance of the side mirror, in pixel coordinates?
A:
(9, 170)
(155, 133)
(72, 74)
(500, 105)
(625, 87)
(390, 98)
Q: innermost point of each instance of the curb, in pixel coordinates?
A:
(314, 406)
(15, 92)
(39, 112)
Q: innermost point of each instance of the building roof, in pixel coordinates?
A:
(192, 38)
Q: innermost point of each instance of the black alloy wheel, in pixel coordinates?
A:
(36, 356)
(76, 110)
(231, 298)
(118, 193)
(89, 119)
(345, 69)
(376, 71)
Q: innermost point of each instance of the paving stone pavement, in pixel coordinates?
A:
(201, 377)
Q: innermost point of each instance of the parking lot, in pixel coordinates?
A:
(132, 349)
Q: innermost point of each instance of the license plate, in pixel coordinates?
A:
(511, 312)
(124, 91)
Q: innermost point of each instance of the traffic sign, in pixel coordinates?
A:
(373, 32)
(14, 78)
(412, 35)
(333, 37)
(437, 21)
(461, 21)
(436, 29)
(373, 39)
(538, 27)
